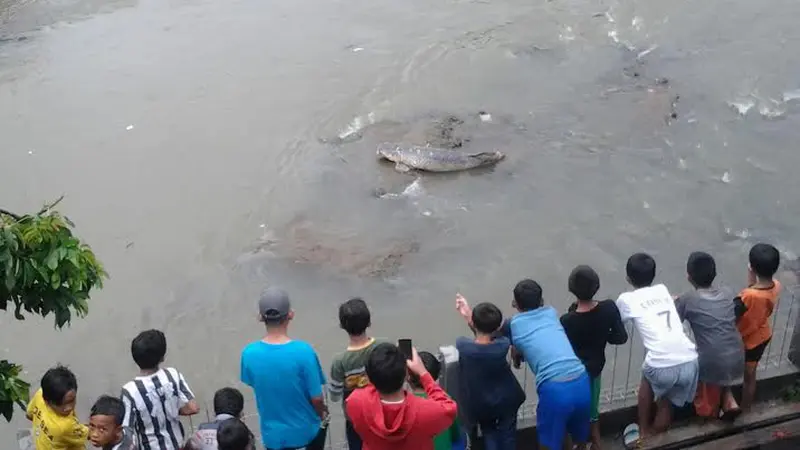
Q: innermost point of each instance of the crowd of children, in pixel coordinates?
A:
(391, 398)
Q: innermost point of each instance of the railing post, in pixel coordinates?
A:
(794, 343)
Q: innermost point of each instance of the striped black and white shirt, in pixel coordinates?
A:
(151, 408)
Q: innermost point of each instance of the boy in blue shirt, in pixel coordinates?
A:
(287, 379)
(562, 384)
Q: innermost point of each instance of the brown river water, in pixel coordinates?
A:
(208, 149)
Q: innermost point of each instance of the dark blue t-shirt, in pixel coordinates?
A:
(489, 390)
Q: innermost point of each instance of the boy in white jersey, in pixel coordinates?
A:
(670, 369)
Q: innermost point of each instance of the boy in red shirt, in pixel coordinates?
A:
(389, 418)
(754, 307)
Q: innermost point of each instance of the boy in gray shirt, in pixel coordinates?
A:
(228, 404)
(710, 312)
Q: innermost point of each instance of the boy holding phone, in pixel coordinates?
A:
(389, 418)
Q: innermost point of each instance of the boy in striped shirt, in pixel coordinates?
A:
(155, 400)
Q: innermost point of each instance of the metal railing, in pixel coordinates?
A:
(620, 378)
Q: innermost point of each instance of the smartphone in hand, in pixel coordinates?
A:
(405, 347)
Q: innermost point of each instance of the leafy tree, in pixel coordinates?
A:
(44, 270)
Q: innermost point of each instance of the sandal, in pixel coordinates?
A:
(631, 437)
(730, 415)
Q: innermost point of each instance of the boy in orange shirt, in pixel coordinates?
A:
(754, 306)
(52, 411)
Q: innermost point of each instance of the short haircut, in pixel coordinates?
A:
(228, 400)
(148, 349)
(354, 316)
(432, 365)
(486, 318)
(386, 368)
(583, 282)
(641, 270)
(764, 260)
(528, 295)
(56, 382)
(701, 269)
(233, 434)
(109, 406)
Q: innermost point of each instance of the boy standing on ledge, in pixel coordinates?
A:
(589, 325)
(754, 307)
(670, 369)
(565, 399)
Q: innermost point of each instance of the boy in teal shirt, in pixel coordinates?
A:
(452, 438)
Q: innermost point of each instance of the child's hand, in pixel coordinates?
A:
(463, 307)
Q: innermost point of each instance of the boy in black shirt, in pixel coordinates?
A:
(490, 393)
(589, 325)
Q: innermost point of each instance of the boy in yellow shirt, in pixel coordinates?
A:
(52, 410)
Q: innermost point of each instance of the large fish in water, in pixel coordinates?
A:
(407, 157)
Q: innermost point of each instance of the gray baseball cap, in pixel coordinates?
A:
(274, 305)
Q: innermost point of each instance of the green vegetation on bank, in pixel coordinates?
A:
(44, 270)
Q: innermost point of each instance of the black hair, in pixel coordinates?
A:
(701, 269)
(107, 405)
(386, 368)
(486, 318)
(764, 260)
(56, 383)
(228, 401)
(528, 295)
(432, 365)
(354, 317)
(583, 282)
(148, 349)
(233, 434)
(641, 270)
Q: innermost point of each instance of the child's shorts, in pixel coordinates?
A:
(754, 354)
(564, 407)
(678, 384)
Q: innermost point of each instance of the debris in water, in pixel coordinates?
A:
(646, 205)
(426, 213)
(742, 106)
(644, 53)
(726, 177)
(566, 35)
(263, 225)
(129, 127)
(30, 152)
(357, 49)
(682, 163)
(485, 116)
(771, 113)
(636, 23)
(791, 95)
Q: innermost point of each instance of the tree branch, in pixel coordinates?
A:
(10, 214)
(47, 207)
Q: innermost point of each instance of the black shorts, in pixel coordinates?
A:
(755, 353)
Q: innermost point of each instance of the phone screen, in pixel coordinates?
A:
(405, 347)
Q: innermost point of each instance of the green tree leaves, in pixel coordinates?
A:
(44, 269)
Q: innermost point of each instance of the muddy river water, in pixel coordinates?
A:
(210, 148)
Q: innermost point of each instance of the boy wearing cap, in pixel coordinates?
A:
(287, 380)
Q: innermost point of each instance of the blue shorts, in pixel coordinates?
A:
(564, 407)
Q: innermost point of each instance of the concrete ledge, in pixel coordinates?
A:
(613, 422)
